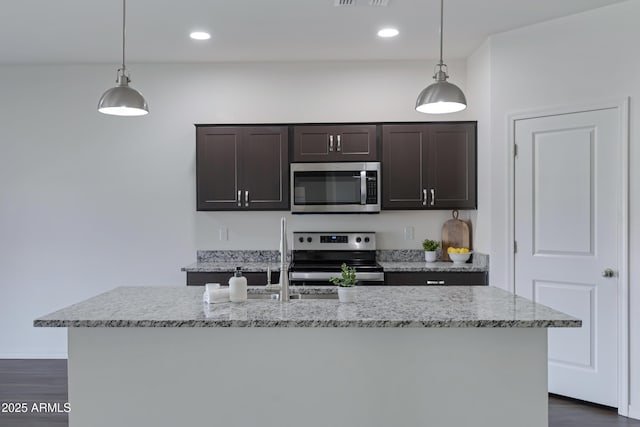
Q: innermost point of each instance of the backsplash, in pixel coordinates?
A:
(239, 256)
(271, 256)
(417, 255)
(399, 255)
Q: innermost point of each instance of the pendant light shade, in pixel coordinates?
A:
(441, 97)
(123, 100)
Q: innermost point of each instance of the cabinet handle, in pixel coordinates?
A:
(239, 198)
(330, 143)
(433, 197)
(424, 197)
(339, 148)
(246, 198)
(435, 282)
(363, 187)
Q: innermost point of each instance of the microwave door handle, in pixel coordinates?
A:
(363, 187)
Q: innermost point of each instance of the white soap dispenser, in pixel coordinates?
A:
(238, 286)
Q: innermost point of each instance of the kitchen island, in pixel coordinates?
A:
(403, 356)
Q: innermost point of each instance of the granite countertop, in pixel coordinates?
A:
(377, 306)
(392, 260)
(216, 266)
(389, 266)
(439, 266)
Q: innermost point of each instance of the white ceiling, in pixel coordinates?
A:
(89, 31)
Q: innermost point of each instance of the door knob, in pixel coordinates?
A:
(608, 273)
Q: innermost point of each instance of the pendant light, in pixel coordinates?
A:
(441, 97)
(123, 100)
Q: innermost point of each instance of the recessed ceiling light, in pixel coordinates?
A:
(200, 35)
(388, 32)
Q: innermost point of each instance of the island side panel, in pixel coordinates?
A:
(315, 377)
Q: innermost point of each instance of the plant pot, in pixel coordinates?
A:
(347, 294)
(430, 256)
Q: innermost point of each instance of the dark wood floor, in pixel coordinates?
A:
(36, 381)
(565, 412)
(33, 381)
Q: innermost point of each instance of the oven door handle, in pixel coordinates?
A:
(363, 187)
(324, 276)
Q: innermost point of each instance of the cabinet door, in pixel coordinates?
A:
(313, 143)
(436, 278)
(404, 151)
(451, 169)
(354, 143)
(340, 143)
(217, 168)
(265, 168)
(222, 277)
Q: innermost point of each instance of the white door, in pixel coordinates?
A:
(567, 205)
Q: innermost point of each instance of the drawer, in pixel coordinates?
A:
(222, 277)
(413, 278)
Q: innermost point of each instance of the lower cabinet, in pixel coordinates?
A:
(435, 278)
(411, 278)
(253, 278)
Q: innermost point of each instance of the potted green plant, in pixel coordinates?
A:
(430, 248)
(346, 284)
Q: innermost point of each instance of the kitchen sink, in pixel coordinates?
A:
(331, 296)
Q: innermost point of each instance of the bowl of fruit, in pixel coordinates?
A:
(459, 255)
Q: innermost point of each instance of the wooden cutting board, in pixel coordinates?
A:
(455, 233)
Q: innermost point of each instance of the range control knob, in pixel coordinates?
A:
(309, 239)
(366, 240)
(301, 239)
(358, 239)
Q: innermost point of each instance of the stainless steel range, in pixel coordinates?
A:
(317, 256)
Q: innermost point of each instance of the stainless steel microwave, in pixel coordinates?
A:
(345, 187)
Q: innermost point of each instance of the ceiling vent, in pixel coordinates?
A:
(375, 3)
(341, 3)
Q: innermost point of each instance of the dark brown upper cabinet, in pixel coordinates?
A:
(242, 168)
(429, 166)
(339, 143)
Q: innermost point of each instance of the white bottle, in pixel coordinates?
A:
(238, 287)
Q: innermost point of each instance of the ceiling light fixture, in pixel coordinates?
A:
(441, 97)
(388, 32)
(123, 100)
(200, 35)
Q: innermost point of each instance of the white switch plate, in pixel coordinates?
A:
(223, 233)
(408, 233)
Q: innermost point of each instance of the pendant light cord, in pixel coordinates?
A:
(441, 29)
(124, 15)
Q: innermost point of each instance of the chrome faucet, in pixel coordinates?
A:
(284, 274)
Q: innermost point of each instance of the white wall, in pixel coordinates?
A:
(575, 60)
(479, 97)
(89, 202)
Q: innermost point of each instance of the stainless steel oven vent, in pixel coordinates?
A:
(342, 3)
(375, 3)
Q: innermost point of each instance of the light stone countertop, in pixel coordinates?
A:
(377, 306)
(389, 266)
(216, 266)
(392, 260)
(439, 266)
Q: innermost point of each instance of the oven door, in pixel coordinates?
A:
(335, 187)
(321, 278)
